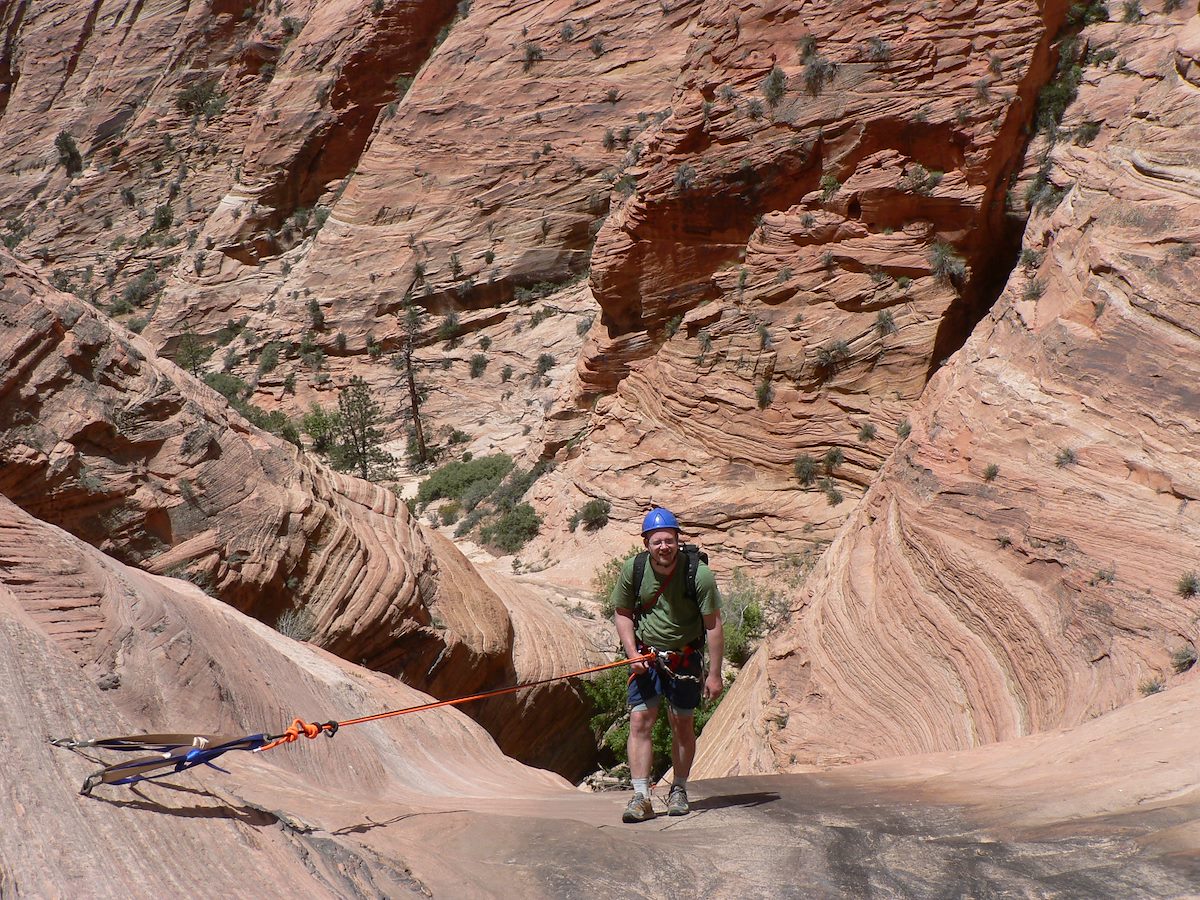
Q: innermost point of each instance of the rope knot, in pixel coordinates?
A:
(299, 726)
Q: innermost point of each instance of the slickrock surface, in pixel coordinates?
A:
(137, 458)
(424, 805)
(1027, 559)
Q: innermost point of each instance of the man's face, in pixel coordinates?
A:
(663, 546)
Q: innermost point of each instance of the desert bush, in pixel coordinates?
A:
(454, 479)
(201, 98)
(533, 54)
(68, 153)
(774, 86)
(593, 515)
(765, 393)
(1188, 584)
(805, 468)
(945, 264)
(513, 529)
(297, 623)
(605, 578)
(1183, 659)
(1150, 686)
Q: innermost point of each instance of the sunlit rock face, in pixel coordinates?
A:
(1026, 559)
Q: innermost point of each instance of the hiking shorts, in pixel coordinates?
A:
(683, 694)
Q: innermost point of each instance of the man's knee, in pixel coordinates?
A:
(641, 722)
(683, 725)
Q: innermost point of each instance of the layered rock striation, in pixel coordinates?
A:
(135, 456)
(1027, 558)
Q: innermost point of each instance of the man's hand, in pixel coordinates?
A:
(641, 667)
(713, 685)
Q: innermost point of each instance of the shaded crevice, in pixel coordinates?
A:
(361, 89)
(85, 34)
(9, 74)
(994, 253)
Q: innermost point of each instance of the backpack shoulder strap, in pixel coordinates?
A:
(639, 570)
(693, 566)
(692, 556)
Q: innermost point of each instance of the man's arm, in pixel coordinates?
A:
(624, 623)
(714, 637)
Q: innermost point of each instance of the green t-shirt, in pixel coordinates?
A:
(674, 621)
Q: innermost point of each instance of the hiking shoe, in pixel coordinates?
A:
(639, 809)
(677, 802)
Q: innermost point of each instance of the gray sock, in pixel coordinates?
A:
(641, 786)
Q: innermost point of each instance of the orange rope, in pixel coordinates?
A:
(309, 730)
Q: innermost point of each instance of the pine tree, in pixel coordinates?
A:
(358, 441)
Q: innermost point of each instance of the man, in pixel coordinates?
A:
(663, 617)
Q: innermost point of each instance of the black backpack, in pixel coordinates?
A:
(691, 555)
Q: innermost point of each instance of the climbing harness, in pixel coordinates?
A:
(668, 661)
(174, 753)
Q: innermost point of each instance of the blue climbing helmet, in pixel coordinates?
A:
(659, 518)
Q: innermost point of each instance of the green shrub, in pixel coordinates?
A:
(316, 315)
(163, 217)
(201, 98)
(593, 515)
(478, 364)
(866, 432)
(506, 373)
(1150, 686)
(832, 356)
(68, 153)
(818, 72)
(1188, 584)
(1183, 659)
(513, 529)
(774, 86)
(533, 54)
(743, 606)
(604, 579)
(142, 288)
(1086, 133)
(765, 393)
(990, 473)
(450, 512)
(1066, 457)
(945, 264)
(455, 478)
(885, 322)
(269, 358)
(1057, 95)
(806, 468)
(829, 186)
(297, 623)
(685, 177)
(545, 362)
